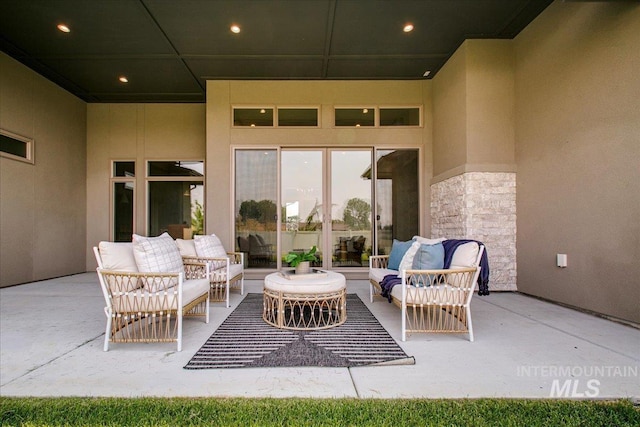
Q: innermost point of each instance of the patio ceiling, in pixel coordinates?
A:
(169, 49)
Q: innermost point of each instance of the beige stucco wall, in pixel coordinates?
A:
(578, 151)
(138, 132)
(221, 137)
(42, 206)
(473, 110)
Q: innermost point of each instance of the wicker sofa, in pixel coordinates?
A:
(147, 304)
(431, 300)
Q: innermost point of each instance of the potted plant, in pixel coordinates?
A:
(301, 260)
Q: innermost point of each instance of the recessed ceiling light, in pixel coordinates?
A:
(365, 110)
(64, 28)
(262, 111)
(408, 28)
(235, 29)
(123, 79)
(426, 73)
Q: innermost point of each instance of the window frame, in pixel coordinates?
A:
(29, 143)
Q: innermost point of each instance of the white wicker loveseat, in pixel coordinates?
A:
(147, 290)
(431, 300)
(226, 268)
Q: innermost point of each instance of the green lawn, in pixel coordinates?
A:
(313, 412)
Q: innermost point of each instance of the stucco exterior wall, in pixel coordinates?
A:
(134, 132)
(43, 205)
(578, 151)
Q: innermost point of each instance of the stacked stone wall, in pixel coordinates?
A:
(480, 206)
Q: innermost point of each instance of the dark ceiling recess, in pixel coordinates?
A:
(168, 49)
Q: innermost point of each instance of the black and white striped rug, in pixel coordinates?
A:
(245, 340)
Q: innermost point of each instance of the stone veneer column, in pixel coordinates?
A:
(480, 206)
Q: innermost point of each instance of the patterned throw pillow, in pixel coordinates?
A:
(209, 246)
(157, 254)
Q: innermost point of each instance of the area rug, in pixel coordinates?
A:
(245, 340)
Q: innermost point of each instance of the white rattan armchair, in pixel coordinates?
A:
(145, 306)
(224, 272)
(436, 300)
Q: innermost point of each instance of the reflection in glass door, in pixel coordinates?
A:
(397, 197)
(302, 201)
(351, 235)
(256, 198)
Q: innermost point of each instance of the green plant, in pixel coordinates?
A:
(295, 258)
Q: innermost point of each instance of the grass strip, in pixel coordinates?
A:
(32, 412)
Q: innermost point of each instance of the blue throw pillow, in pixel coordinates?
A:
(398, 249)
(429, 257)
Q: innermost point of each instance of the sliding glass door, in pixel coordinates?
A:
(342, 201)
(256, 206)
(351, 212)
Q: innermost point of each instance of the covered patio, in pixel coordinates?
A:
(51, 335)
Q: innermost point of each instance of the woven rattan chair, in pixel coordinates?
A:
(148, 307)
(225, 272)
(436, 300)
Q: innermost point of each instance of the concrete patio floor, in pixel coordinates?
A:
(52, 332)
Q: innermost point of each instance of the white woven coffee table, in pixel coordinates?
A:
(310, 303)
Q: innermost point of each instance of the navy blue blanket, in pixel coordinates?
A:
(387, 283)
(450, 246)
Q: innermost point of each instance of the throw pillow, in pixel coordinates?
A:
(117, 256)
(187, 247)
(426, 241)
(407, 259)
(465, 255)
(398, 249)
(209, 246)
(429, 257)
(157, 254)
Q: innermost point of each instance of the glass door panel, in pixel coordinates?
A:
(397, 197)
(351, 236)
(123, 203)
(256, 219)
(302, 201)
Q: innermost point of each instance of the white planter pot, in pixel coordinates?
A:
(303, 268)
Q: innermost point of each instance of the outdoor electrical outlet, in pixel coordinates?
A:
(561, 260)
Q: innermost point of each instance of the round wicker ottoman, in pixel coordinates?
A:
(308, 303)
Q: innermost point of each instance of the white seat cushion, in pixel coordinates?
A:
(157, 254)
(187, 247)
(221, 273)
(209, 246)
(142, 300)
(378, 274)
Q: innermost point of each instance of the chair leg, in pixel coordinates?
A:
(179, 320)
(206, 317)
(469, 324)
(370, 292)
(227, 290)
(404, 321)
(242, 284)
(107, 334)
